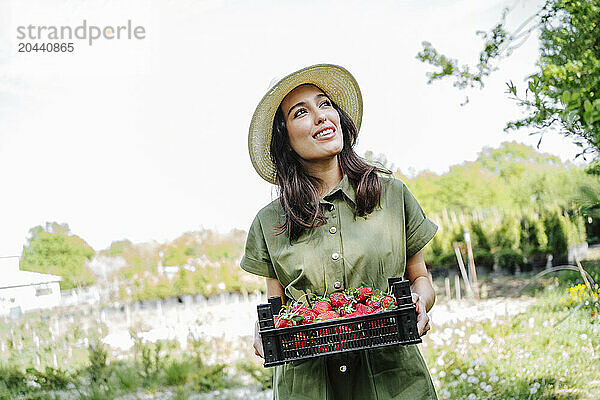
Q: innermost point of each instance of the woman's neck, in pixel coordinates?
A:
(328, 171)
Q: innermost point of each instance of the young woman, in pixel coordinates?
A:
(338, 223)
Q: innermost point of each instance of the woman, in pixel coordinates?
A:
(338, 223)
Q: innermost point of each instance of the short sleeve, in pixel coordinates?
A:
(419, 229)
(256, 259)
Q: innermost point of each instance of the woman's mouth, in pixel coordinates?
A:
(325, 134)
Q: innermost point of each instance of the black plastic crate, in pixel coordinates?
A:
(386, 328)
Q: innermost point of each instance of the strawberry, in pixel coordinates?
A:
(308, 316)
(300, 307)
(363, 293)
(327, 315)
(281, 322)
(321, 306)
(346, 310)
(352, 314)
(374, 304)
(339, 299)
(362, 309)
(386, 301)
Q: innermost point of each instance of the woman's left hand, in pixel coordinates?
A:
(422, 317)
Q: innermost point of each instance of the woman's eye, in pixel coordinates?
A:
(325, 103)
(299, 112)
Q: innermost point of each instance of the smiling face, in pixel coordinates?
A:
(313, 125)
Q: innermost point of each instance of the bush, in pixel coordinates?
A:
(483, 258)
(447, 261)
(558, 242)
(50, 378)
(510, 259)
(177, 372)
(13, 378)
(480, 237)
(262, 376)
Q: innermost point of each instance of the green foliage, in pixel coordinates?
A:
(483, 258)
(555, 231)
(510, 177)
(98, 369)
(564, 92)
(510, 259)
(508, 235)
(50, 378)
(262, 376)
(12, 378)
(53, 249)
(177, 372)
(117, 248)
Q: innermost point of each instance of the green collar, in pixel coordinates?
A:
(345, 187)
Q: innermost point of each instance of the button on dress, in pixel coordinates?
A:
(346, 252)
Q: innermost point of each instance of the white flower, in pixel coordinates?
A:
(533, 390)
(445, 394)
(494, 378)
(475, 339)
(470, 371)
(473, 379)
(488, 388)
(456, 371)
(536, 385)
(482, 385)
(472, 397)
(463, 376)
(583, 336)
(433, 370)
(442, 374)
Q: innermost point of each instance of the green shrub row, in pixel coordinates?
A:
(510, 240)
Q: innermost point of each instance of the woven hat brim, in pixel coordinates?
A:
(337, 83)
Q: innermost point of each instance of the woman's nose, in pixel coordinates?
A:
(320, 118)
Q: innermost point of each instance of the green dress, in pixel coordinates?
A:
(346, 252)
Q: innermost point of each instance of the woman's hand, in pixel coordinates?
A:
(422, 317)
(258, 346)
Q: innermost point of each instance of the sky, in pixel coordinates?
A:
(145, 139)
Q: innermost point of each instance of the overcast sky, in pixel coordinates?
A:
(146, 139)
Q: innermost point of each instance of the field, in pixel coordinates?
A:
(535, 341)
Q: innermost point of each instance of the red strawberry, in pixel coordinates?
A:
(282, 322)
(339, 299)
(308, 316)
(362, 309)
(346, 310)
(321, 306)
(386, 301)
(353, 314)
(363, 294)
(327, 315)
(374, 304)
(300, 307)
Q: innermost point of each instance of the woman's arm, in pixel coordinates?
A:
(274, 288)
(421, 288)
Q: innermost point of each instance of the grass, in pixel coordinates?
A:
(549, 352)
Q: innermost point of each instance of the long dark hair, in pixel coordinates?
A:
(299, 191)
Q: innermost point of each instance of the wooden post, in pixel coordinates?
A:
(585, 279)
(447, 286)
(471, 263)
(463, 272)
(457, 286)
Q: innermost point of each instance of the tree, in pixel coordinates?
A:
(53, 249)
(564, 94)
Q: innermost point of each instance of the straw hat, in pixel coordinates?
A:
(337, 83)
